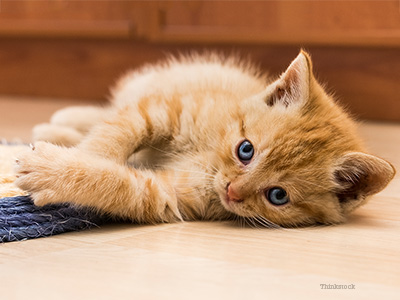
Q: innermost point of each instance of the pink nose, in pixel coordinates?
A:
(233, 195)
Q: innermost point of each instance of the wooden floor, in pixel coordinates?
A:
(202, 260)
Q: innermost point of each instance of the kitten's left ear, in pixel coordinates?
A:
(294, 84)
(359, 175)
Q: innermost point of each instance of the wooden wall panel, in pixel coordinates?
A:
(286, 22)
(366, 80)
(83, 18)
(332, 22)
(77, 49)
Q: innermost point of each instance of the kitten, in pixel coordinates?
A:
(206, 137)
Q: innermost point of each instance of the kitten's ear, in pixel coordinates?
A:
(294, 84)
(359, 175)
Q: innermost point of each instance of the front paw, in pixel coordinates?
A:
(39, 172)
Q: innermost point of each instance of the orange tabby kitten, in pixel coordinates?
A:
(207, 138)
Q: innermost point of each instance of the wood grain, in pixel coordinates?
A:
(78, 49)
(350, 23)
(357, 23)
(66, 29)
(365, 80)
(211, 260)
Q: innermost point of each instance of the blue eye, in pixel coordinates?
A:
(245, 152)
(277, 196)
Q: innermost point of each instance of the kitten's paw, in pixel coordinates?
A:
(39, 172)
(44, 197)
(57, 134)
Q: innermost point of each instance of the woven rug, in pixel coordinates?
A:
(20, 219)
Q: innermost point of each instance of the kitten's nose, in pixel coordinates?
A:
(233, 195)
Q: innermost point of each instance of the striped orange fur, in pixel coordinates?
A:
(207, 137)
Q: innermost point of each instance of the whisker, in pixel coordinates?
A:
(266, 223)
(247, 222)
(252, 220)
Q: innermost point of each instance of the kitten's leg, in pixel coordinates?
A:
(68, 126)
(128, 128)
(56, 134)
(81, 118)
(97, 166)
(52, 174)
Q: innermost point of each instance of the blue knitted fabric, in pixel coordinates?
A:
(20, 219)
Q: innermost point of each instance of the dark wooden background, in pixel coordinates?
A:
(77, 49)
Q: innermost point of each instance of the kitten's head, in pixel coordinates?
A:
(294, 157)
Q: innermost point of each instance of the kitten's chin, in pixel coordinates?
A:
(231, 205)
(226, 202)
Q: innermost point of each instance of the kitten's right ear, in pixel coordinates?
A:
(359, 175)
(294, 84)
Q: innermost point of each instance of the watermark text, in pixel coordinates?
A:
(327, 286)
